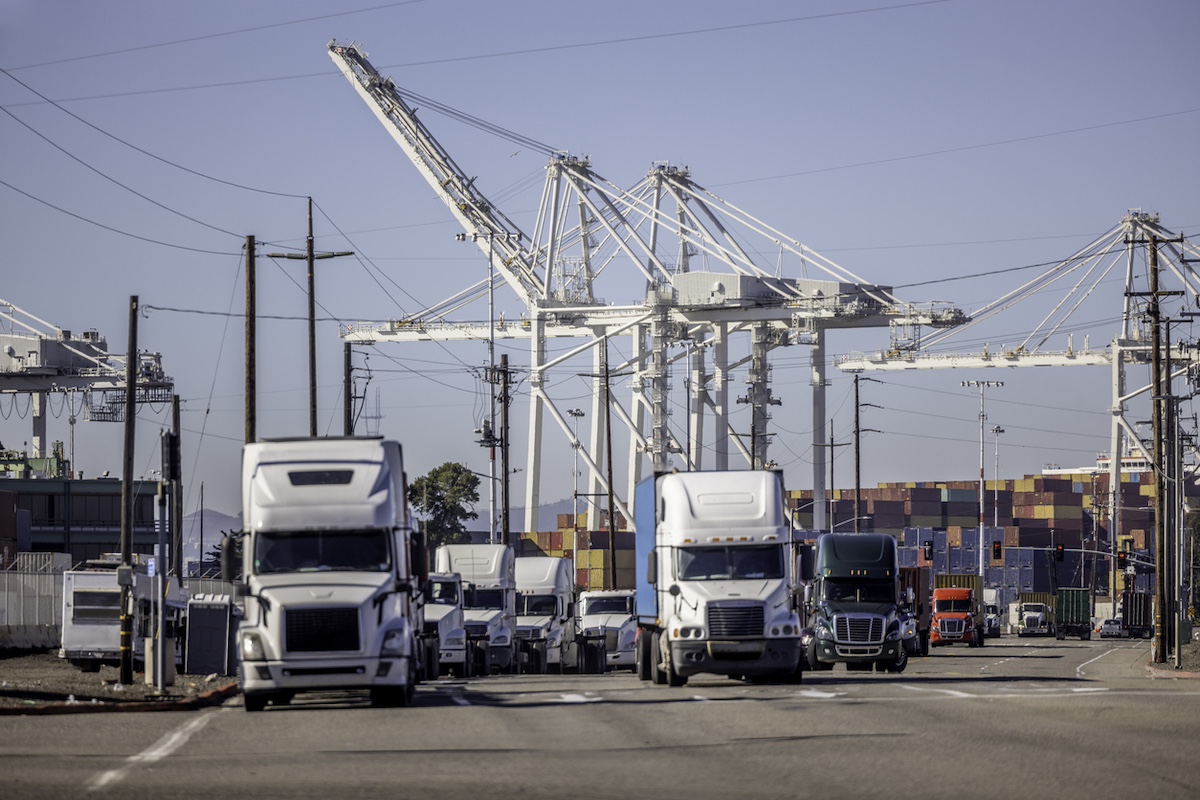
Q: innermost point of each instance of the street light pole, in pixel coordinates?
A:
(981, 385)
(996, 431)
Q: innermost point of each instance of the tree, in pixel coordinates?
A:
(445, 497)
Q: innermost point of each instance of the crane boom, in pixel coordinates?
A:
(498, 237)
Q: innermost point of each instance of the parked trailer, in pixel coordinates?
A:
(91, 627)
(1073, 613)
(1137, 614)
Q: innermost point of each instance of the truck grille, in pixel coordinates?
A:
(529, 632)
(476, 630)
(314, 630)
(953, 627)
(858, 628)
(610, 639)
(729, 620)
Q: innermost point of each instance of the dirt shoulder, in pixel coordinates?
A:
(32, 679)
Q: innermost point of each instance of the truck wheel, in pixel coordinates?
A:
(814, 664)
(982, 639)
(673, 677)
(657, 674)
(642, 662)
(254, 702)
(899, 664)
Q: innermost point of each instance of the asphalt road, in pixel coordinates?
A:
(1019, 718)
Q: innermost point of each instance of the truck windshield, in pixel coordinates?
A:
(607, 605)
(312, 551)
(445, 593)
(856, 591)
(953, 606)
(487, 598)
(536, 605)
(742, 562)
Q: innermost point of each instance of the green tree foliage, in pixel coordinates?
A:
(445, 497)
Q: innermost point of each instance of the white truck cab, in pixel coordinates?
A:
(444, 617)
(331, 574)
(546, 625)
(489, 601)
(611, 616)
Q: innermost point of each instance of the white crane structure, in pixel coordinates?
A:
(40, 360)
(693, 261)
(1159, 284)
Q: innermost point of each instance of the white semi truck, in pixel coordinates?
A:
(332, 574)
(724, 599)
(444, 619)
(489, 601)
(547, 632)
(611, 616)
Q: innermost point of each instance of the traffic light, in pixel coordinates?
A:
(996, 551)
(1059, 553)
(1122, 560)
(928, 546)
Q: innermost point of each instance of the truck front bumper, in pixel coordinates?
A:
(739, 657)
(304, 675)
(829, 652)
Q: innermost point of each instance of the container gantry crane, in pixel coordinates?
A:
(700, 287)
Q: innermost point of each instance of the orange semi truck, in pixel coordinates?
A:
(956, 615)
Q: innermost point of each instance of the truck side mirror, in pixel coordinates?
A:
(229, 570)
(427, 591)
(806, 556)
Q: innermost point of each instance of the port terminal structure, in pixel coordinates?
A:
(707, 306)
(39, 360)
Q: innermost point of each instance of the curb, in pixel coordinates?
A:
(1158, 672)
(213, 697)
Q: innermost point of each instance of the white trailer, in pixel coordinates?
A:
(91, 622)
(611, 616)
(723, 576)
(547, 630)
(331, 572)
(489, 601)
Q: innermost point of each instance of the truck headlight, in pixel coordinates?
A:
(500, 639)
(455, 640)
(395, 644)
(822, 631)
(252, 647)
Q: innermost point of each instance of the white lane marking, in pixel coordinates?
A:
(458, 698)
(1079, 669)
(579, 698)
(950, 692)
(819, 695)
(155, 752)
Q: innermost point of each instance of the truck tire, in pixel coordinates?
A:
(254, 702)
(643, 660)
(673, 677)
(898, 665)
(814, 664)
(657, 674)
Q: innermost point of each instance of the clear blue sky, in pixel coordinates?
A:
(913, 143)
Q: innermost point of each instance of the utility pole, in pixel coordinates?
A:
(996, 431)
(311, 256)
(347, 390)
(982, 419)
(611, 583)
(125, 575)
(176, 493)
(505, 535)
(251, 400)
(1160, 484)
(832, 444)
